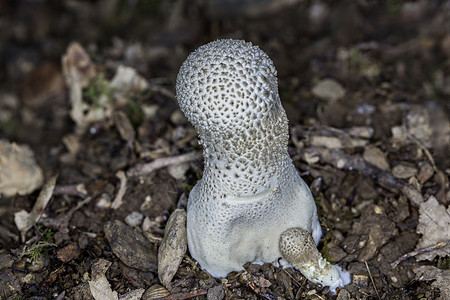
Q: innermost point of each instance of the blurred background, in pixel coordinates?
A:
(400, 50)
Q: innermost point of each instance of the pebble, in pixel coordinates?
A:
(328, 89)
(403, 171)
(134, 219)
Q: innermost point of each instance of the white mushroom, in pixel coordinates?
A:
(251, 195)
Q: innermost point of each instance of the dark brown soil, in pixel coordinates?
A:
(371, 156)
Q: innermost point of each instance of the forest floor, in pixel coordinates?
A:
(95, 155)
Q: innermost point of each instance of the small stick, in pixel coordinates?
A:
(419, 251)
(71, 190)
(181, 296)
(62, 222)
(319, 296)
(122, 189)
(371, 279)
(144, 169)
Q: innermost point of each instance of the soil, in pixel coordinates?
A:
(365, 84)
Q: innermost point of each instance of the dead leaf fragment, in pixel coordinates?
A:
(124, 127)
(24, 220)
(403, 171)
(132, 295)
(99, 285)
(78, 70)
(173, 246)
(68, 252)
(19, 173)
(439, 277)
(127, 79)
(418, 125)
(77, 66)
(434, 224)
(376, 157)
(72, 143)
(425, 172)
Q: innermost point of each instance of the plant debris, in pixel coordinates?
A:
(87, 92)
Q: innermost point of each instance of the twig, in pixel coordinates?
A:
(24, 220)
(318, 296)
(300, 285)
(122, 190)
(419, 251)
(145, 169)
(181, 296)
(423, 148)
(71, 190)
(371, 279)
(62, 222)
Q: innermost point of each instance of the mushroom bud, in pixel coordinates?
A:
(251, 195)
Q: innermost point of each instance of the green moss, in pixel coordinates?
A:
(98, 86)
(134, 111)
(188, 187)
(47, 233)
(36, 251)
(443, 263)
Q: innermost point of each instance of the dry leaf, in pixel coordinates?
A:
(127, 79)
(173, 246)
(434, 224)
(101, 289)
(132, 295)
(124, 127)
(440, 278)
(99, 285)
(19, 173)
(376, 157)
(78, 70)
(24, 220)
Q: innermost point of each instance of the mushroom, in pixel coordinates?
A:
(251, 204)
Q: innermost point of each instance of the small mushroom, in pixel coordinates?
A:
(251, 204)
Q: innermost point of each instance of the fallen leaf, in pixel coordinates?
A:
(124, 127)
(24, 220)
(434, 224)
(376, 157)
(173, 246)
(439, 277)
(78, 70)
(132, 295)
(19, 173)
(127, 79)
(99, 285)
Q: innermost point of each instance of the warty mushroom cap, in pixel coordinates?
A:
(250, 192)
